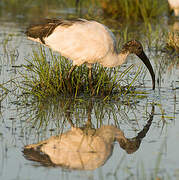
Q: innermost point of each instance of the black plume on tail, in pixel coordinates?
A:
(47, 27)
(42, 30)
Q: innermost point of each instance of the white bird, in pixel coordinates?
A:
(88, 42)
(174, 4)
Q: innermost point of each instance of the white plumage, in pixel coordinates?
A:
(89, 42)
(85, 41)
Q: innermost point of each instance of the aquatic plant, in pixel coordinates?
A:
(44, 78)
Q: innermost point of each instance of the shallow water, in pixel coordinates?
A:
(23, 124)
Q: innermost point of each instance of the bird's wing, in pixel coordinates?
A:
(81, 40)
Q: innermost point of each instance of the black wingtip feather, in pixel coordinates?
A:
(47, 27)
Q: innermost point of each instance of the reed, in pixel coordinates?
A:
(134, 9)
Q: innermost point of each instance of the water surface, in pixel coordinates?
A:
(23, 124)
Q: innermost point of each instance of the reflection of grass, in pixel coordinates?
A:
(3, 92)
(45, 79)
(155, 174)
(54, 114)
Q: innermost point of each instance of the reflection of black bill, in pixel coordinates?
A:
(131, 145)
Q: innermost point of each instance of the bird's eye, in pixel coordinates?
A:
(139, 48)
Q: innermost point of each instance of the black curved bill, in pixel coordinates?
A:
(146, 61)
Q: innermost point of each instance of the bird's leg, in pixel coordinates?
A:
(68, 114)
(90, 78)
(70, 72)
(69, 78)
(89, 123)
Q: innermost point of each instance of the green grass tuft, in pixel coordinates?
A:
(46, 76)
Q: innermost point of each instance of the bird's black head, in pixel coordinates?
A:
(135, 47)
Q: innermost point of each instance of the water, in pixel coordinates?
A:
(23, 124)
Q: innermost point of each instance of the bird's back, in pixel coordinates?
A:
(79, 40)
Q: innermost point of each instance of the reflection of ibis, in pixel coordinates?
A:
(85, 41)
(174, 4)
(83, 148)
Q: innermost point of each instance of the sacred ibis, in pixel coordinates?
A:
(84, 41)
